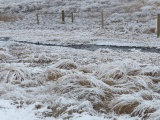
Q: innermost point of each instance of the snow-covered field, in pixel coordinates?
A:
(40, 82)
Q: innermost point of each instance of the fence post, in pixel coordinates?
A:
(37, 18)
(158, 26)
(102, 19)
(63, 17)
(72, 19)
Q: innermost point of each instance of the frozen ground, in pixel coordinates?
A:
(50, 82)
(62, 37)
(78, 84)
(126, 23)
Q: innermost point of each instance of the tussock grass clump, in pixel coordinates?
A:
(111, 73)
(117, 74)
(132, 87)
(141, 82)
(127, 74)
(125, 104)
(133, 72)
(144, 109)
(136, 104)
(66, 64)
(11, 72)
(84, 88)
(53, 74)
(118, 70)
(66, 107)
(151, 71)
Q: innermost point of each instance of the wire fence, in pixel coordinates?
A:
(85, 18)
(126, 23)
(88, 19)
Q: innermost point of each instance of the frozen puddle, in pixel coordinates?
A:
(91, 47)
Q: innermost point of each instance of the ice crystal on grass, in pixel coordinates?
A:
(84, 88)
(53, 74)
(125, 104)
(11, 72)
(66, 64)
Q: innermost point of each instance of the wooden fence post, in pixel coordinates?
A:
(37, 18)
(102, 19)
(72, 19)
(158, 26)
(63, 17)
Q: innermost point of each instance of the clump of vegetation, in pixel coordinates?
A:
(66, 64)
(85, 90)
(11, 72)
(53, 74)
(8, 18)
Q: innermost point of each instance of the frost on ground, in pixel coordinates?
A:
(43, 82)
(129, 21)
(63, 83)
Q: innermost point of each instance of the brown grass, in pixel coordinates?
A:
(133, 73)
(147, 97)
(57, 110)
(157, 3)
(150, 31)
(132, 7)
(54, 74)
(82, 88)
(152, 73)
(85, 70)
(8, 18)
(144, 113)
(109, 82)
(126, 108)
(67, 65)
(116, 75)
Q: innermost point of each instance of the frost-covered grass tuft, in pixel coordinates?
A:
(13, 72)
(83, 88)
(66, 64)
(125, 104)
(54, 74)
